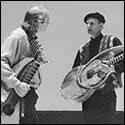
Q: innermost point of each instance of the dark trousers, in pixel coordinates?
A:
(100, 108)
(31, 116)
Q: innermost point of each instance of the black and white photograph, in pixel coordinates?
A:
(62, 62)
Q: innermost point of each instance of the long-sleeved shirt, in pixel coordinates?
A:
(13, 50)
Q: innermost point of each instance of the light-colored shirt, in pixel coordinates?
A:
(13, 50)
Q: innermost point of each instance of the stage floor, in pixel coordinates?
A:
(70, 117)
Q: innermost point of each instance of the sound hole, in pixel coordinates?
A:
(8, 110)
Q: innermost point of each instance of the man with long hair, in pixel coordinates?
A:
(18, 46)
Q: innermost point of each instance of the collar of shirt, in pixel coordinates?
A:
(98, 38)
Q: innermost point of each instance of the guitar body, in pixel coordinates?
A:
(100, 72)
(7, 98)
(12, 106)
(70, 90)
(82, 81)
(14, 118)
(94, 74)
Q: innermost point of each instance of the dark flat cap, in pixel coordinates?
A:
(96, 15)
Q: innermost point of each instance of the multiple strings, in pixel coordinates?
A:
(35, 51)
(114, 60)
(25, 75)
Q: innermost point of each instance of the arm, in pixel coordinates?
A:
(119, 67)
(10, 55)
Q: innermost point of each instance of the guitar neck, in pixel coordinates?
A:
(31, 71)
(116, 59)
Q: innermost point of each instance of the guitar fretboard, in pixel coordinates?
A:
(31, 71)
(116, 59)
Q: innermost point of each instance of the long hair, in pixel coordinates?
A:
(31, 17)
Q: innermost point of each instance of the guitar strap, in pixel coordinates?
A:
(106, 42)
(84, 54)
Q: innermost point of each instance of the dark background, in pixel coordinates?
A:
(70, 117)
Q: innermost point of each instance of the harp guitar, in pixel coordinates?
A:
(12, 106)
(10, 101)
(82, 81)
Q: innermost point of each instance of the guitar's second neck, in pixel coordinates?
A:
(30, 71)
(116, 59)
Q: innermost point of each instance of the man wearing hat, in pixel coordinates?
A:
(22, 44)
(100, 108)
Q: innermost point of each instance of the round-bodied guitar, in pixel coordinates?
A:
(82, 81)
